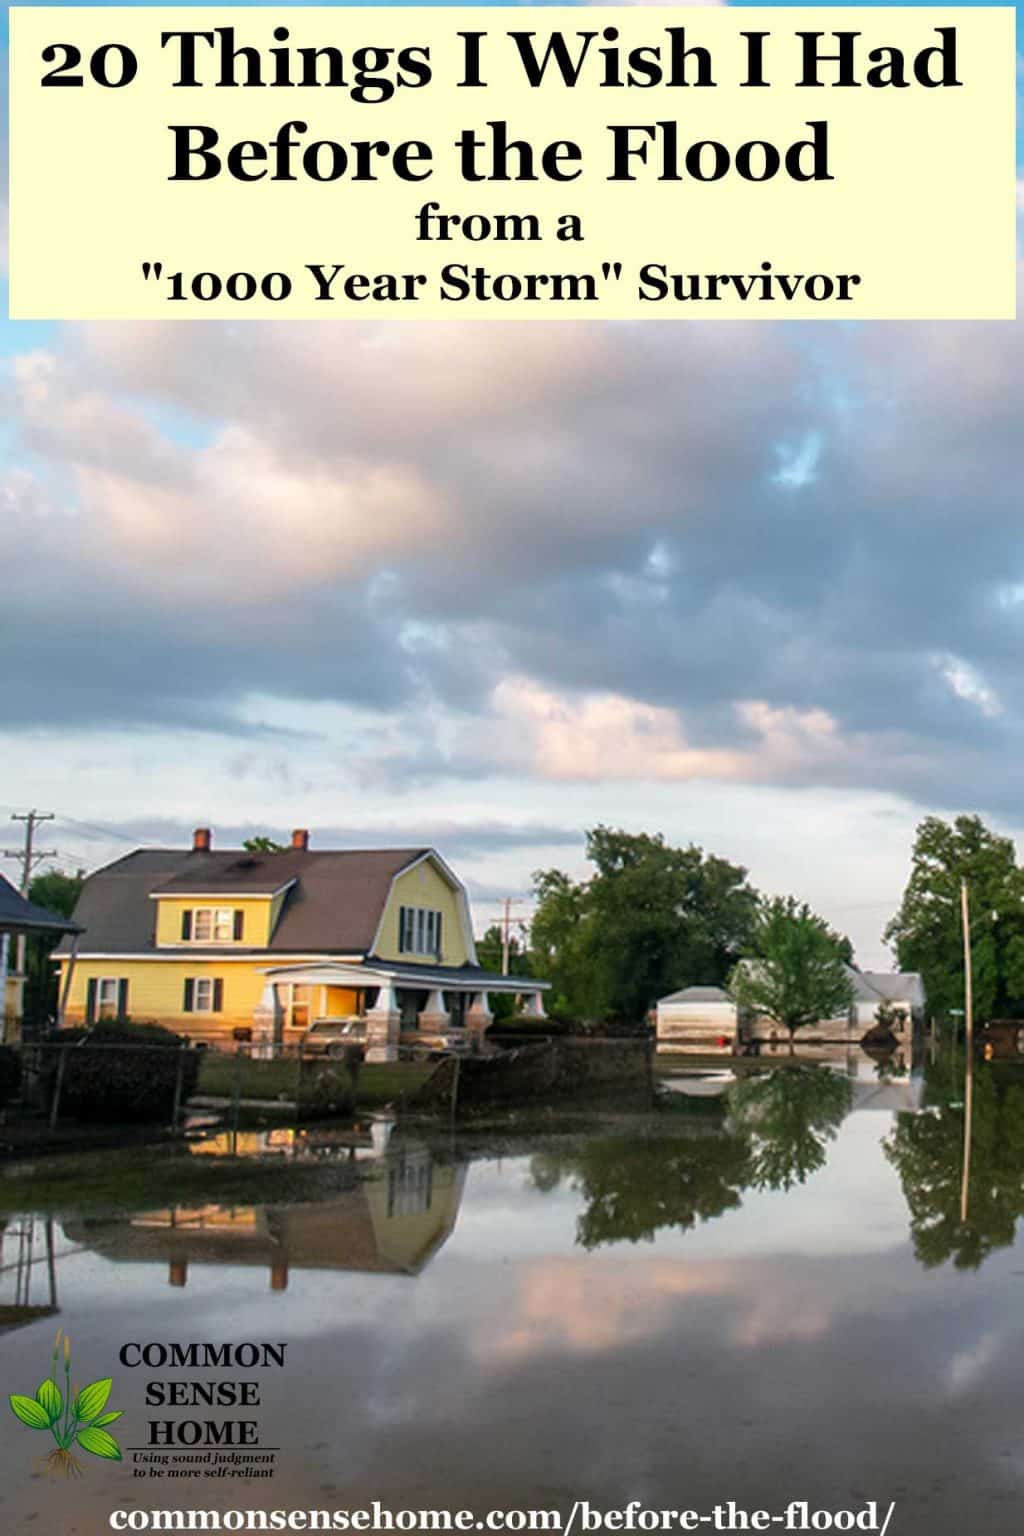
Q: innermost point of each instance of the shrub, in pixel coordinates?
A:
(118, 1086)
(10, 1074)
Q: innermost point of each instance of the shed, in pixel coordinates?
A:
(697, 1019)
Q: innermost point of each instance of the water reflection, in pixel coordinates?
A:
(28, 1269)
(766, 1130)
(393, 1221)
(790, 1116)
(962, 1176)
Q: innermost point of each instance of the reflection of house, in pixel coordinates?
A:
(214, 943)
(697, 1019)
(393, 1223)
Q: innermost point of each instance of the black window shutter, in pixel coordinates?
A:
(437, 932)
(218, 995)
(122, 998)
(90, 1001)
(190, 988)
(239, 923)
(186, 926)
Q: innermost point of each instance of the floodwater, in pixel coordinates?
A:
(765, 1292)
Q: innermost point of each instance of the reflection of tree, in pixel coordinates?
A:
(779, 1125)
(926, 1149)
(791, 1115)
(634, 1188)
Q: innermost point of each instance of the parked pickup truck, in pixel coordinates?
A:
(330, 1037)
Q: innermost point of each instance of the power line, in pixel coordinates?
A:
(123, 837)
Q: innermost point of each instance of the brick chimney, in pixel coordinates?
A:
(300, 839)
(202, 840)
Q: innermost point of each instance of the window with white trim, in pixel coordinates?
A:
(204, 994)
(296, 1005)
(419, 931)
(107, 993)
(213, 925)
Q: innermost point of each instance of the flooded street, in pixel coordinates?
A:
(761, 1292)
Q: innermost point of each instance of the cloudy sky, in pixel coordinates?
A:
(759, 586)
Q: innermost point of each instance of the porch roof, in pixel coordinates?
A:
(450, 978)
(20, 916)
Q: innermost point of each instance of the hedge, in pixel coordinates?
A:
(112, 1086)
(10, 1074)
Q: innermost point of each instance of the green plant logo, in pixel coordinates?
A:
(72, 1416)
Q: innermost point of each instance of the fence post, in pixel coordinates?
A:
(58, 1085)
(178, 1081)
(455, 1089)
(236, 1098)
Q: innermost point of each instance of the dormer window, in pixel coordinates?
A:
(419, 931)
(212, 925)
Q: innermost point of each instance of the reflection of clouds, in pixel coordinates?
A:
(603, 1305)
(968, 1367)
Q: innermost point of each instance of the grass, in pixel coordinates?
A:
(379, 1082)
(382, 1082)
(219, 1074)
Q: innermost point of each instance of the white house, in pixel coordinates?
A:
(901, 992)
(697, 1019)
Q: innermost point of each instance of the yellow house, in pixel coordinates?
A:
(232, 946)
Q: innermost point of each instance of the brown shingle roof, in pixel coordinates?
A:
(333, 906)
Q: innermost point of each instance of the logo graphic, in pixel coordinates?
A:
(73, 1417)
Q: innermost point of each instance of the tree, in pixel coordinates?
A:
(926, 931)
(651, 919)
(489, 954)
(263, 845)
(58, 892)
(794, 973)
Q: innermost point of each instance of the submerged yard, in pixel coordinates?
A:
(769, 1288)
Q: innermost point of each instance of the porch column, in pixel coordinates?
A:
(433, 1017)
(533, 1005)
(267, 1022)
(383, 1025)
(478, 1017)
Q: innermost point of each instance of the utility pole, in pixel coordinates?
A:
(29, 857)
(28, 853)
(506, 928)
(965, 917)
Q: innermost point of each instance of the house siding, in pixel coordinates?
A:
(260, 915)
(424, 886)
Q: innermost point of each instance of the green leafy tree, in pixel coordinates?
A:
(790, 1114)
(561, 941)
(652, 918)
(263, 845)
(926, 931)
(489, 952)
(57, 892)
(794, 973)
